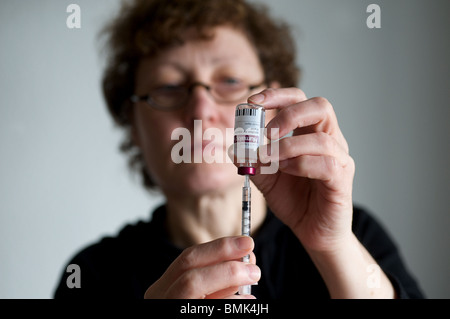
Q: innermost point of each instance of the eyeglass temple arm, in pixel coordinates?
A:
(135, 98)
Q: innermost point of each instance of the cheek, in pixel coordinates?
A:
(227, 117)
(154, 133)
(228, 126)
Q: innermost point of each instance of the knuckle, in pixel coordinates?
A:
(324, 104)
(187, 258)
(299, 93)
(186, 284)
(223, 245)
(234, 269)
(320, 100)
(327, 141)
(269, 92)
(332, 166)
(351, 165)
(331, 145)
(289, 113)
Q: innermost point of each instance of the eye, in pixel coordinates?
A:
(168, 89)
(231, 81)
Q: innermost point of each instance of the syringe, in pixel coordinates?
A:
(246, 209)
(248, 128)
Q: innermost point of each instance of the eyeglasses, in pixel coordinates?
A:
(171, 97)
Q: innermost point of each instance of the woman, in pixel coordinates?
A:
(176, 62)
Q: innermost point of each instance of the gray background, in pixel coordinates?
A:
(64, 184)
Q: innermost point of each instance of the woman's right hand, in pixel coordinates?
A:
(209, 270)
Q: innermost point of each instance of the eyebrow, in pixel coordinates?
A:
(173, 64)
(216, 60)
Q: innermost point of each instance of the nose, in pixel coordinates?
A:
(195, 84)
(201, 105)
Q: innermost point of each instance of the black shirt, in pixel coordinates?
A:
(126, 265)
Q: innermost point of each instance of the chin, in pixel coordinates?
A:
(199, 179)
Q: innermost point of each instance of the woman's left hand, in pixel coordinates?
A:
(312, 190)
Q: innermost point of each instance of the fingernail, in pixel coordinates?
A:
(254, 272)
(244, 243)
(258, 98)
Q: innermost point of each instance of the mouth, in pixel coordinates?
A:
(207, 150)
(208, 146)
(212, 145)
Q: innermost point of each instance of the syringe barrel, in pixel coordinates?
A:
(246, 209)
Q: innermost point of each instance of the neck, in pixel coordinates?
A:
(195, 220)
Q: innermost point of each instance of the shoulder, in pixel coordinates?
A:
(131, 237)
(111, 261)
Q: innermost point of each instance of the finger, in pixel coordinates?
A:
(163, 284)
(316, 113)
(272, 98)
(316, 144)
(241, 297)
(219, 250)
(224, 293)
(323, 168)
(201, 282)
(320, 110)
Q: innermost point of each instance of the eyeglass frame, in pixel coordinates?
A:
(189, 88)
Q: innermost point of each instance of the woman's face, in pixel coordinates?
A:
(228, 56)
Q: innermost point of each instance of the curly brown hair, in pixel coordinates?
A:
(144, 28)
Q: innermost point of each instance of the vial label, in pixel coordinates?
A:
(249, 124)
(247, 112)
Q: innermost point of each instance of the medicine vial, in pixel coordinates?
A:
(248, 136)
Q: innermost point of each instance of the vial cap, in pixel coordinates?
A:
(246, 170)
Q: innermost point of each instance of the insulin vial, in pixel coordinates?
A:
(248, 135)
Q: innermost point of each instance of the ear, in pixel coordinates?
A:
(133, 130)
(135, 136)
